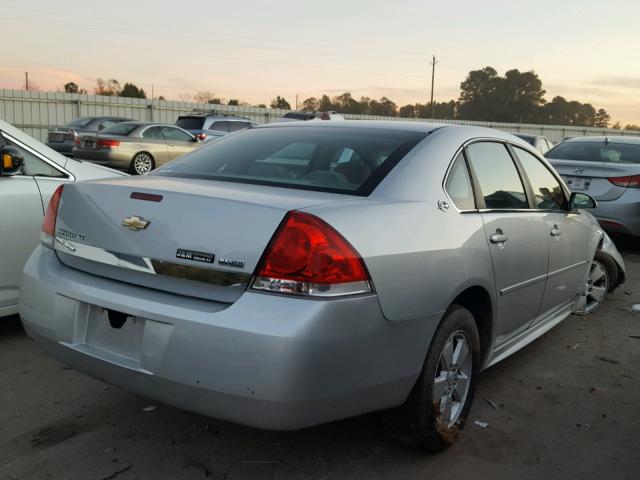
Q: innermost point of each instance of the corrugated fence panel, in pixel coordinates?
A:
(36, 112)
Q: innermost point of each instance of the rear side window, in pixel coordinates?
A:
(497, 176)
(237, 126)
(190, 123)
(221, 126)
(458, 185)
(153, 132)
(606, 152)
(332, 159)
(80, 122)
(547, 190)
(123, 128)
(171, 133)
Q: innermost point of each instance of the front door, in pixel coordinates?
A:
(567, 234)
(516, 237)
(179, 142)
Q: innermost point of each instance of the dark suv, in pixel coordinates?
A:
(206, 126)
(62, 139)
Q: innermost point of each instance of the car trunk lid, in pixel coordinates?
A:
(192, 237)
(593, 177)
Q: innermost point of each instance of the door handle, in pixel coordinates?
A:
(555, 231)
(498, 237)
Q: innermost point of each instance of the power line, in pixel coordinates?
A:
(433, 76)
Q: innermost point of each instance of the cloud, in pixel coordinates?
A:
(625, 82)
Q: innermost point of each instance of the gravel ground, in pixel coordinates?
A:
(567, 406)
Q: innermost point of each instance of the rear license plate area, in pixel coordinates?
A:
(89, 144)
(578, 183)
(115, 332)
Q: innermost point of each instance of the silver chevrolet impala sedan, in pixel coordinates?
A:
(294, 274)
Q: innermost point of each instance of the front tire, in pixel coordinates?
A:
(435, 412)
(142, 164)
(602, 279)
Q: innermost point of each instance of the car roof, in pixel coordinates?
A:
(606, 139)
(214, 115)
(381, 124)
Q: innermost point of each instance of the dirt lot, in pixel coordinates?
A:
(568, 406)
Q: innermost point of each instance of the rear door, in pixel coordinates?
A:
(567, 233)
(178, 141)
(516, 236)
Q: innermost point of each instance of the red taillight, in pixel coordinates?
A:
(76, 140)
(201, 136)
(307, 256)
(107, 143)
(632, 181)
(49, 223)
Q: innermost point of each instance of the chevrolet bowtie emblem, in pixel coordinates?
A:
(135, 223)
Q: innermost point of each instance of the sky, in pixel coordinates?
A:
(584, 50)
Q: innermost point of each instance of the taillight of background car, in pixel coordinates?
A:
(307, 256)
(632, 181)
(107, 143)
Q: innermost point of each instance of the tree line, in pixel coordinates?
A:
(515, 97)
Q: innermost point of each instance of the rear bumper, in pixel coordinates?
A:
(107, 157)
(621, 215)
(265, 361)
(65, 147)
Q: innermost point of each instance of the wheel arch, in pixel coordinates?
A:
(477, 300)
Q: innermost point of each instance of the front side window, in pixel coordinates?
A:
(497, 176)
(341, 160)
(178, 135)
(458, 185)
(546, 189)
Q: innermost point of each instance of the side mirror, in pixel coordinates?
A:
(11, 161)
(581, 200)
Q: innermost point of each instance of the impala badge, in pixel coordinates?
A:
(135, 223)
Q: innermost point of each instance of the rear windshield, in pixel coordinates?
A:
(190, 123)
(123, 128)
(298, 115)
(330, 159)
(596, 152)
(80, 122)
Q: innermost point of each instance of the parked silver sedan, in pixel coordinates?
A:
(138, 147)
(30, 172)
(607, 168)
(295, 274)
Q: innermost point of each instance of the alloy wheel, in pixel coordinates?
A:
(142, 164)
(596, 288)
(452, 379)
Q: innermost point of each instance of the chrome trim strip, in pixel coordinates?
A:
(564, 269)
(531, 281)
(151, 266)
(520, 285)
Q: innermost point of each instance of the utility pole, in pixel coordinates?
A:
(296, 101)
(152, 95)
(26, 80)
(433, 77)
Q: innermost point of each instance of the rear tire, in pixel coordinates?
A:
(142, 164)
(435, 412)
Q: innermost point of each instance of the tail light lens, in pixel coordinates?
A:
(309, 257)
(48, 233)
(201, 137)
(76, 140)
(632, 181)
(107, 143)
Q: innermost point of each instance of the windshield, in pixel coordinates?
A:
(124, 128)
(190, 123)
(80, 122)
(596, 152)
(341, 160)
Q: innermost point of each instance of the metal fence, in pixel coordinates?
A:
(36, 112)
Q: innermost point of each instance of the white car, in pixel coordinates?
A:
(29, 173)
